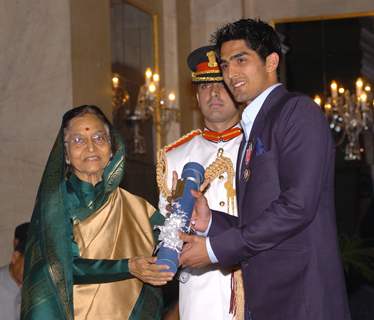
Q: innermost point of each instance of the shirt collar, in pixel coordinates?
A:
(253, 108)
(222, 136)
(237, 125)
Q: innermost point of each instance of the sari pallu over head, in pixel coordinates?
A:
(47, 291)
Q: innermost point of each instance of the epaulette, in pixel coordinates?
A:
(182, 140)
(162, 163)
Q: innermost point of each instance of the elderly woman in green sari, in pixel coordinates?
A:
(89, 251)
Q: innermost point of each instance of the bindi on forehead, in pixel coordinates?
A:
(87, 129)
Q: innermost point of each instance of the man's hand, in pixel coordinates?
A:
(194, 253)
(146, 270)
(201, 214)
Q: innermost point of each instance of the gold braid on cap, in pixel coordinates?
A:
(207, 79)
(219, 166)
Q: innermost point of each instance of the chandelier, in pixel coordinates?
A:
(349, 114)
(152, 101)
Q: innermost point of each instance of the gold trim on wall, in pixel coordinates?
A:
(156, 45)
(273, 22)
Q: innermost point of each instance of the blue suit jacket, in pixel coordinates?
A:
(285, 237)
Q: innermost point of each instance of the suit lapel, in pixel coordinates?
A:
(272, 100)
(238, 181)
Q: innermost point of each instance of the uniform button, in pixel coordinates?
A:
(222, 203)
(221, 177)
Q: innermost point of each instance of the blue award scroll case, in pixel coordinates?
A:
(192, 176)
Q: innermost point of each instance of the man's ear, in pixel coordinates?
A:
(272, 62)
(197, 98)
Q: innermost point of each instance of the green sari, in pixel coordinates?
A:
(52, 265)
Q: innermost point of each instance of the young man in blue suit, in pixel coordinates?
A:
(285, 236)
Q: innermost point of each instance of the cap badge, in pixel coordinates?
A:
(212, 59)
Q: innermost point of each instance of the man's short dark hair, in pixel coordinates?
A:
(20, 234)
(258, 35)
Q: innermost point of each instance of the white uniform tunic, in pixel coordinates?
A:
(206, 293)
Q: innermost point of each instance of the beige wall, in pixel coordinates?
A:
(52, 56)
(208, 15)
(35, 89)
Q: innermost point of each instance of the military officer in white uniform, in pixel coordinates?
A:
(210, 293)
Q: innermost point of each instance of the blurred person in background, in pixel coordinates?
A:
(11, 277)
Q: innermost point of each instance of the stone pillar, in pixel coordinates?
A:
(35, 89)
(55, 54)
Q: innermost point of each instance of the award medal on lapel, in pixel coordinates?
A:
(246, 174)
(184, 275)
(247, 158)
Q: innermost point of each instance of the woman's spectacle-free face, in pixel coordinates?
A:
(88, 147)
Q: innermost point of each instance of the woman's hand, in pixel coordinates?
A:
(146, 270)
